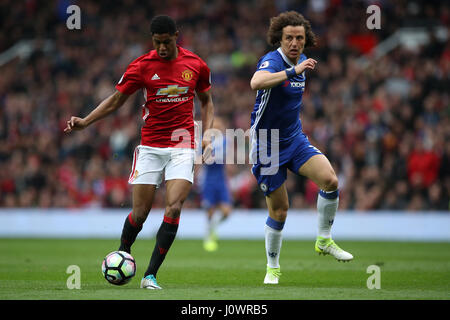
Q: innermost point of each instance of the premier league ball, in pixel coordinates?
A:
(118, 267)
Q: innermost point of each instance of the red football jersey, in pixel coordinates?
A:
(169, 89)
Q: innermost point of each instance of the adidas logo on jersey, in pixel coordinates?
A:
(155, 77)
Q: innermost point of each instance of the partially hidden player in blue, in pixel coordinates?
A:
(215, 192)
(278, 142)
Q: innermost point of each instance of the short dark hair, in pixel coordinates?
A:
(163, 24)
(289, 18)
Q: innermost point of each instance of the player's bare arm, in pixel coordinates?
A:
(107, 106)
(265, 80)
(207, 120)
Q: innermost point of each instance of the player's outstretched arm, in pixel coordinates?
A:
(107, 106)
(263, 79)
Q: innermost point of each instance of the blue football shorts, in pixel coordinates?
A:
(291, 156)
(214, 194)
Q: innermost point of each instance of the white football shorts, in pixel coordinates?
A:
(150, 163)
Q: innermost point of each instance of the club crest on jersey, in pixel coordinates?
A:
(172, 91)
(263, 187)
(187, 75)
(265, 64)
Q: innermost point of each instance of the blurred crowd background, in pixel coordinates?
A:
(383, 122)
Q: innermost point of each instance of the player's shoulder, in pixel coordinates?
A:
(145, 58)
(271, 58)
(271, 55)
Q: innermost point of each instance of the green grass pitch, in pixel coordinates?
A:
(36, 269)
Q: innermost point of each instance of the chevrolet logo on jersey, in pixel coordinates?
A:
(172, 91)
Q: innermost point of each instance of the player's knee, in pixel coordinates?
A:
(173, 210)
(226, 211)
(140, 213)
(331, 183)
(139, 216)
(280, 213)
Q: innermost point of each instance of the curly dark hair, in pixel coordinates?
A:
(289, 18)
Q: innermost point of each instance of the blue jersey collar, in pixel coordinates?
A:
(286, 59)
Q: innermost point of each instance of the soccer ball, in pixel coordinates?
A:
(118, 267)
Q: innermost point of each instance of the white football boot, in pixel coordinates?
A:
(149, 282)
(328, 246)
(272, 275)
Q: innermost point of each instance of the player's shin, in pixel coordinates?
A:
(273, 239)
(327, 204)
(214, 222)
(164, 239)
(129, 233)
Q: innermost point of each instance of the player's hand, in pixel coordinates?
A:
(207, 149)
(75, 123)
(307, 64)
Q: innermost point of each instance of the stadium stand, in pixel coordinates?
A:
(383, 120)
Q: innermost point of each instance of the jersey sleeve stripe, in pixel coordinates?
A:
(262, 106)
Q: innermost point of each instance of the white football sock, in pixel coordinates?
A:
(326, 209)
(273, 246)
(209, 227)
(213, 223)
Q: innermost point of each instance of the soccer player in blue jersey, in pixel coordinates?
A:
(215, 192)
(280, 82)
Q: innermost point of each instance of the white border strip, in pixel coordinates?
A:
(242, 224)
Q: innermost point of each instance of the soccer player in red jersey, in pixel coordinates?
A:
(170, 76)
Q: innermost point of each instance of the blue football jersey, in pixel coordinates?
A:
(279, 107)
(215, 186)
(215, 172)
